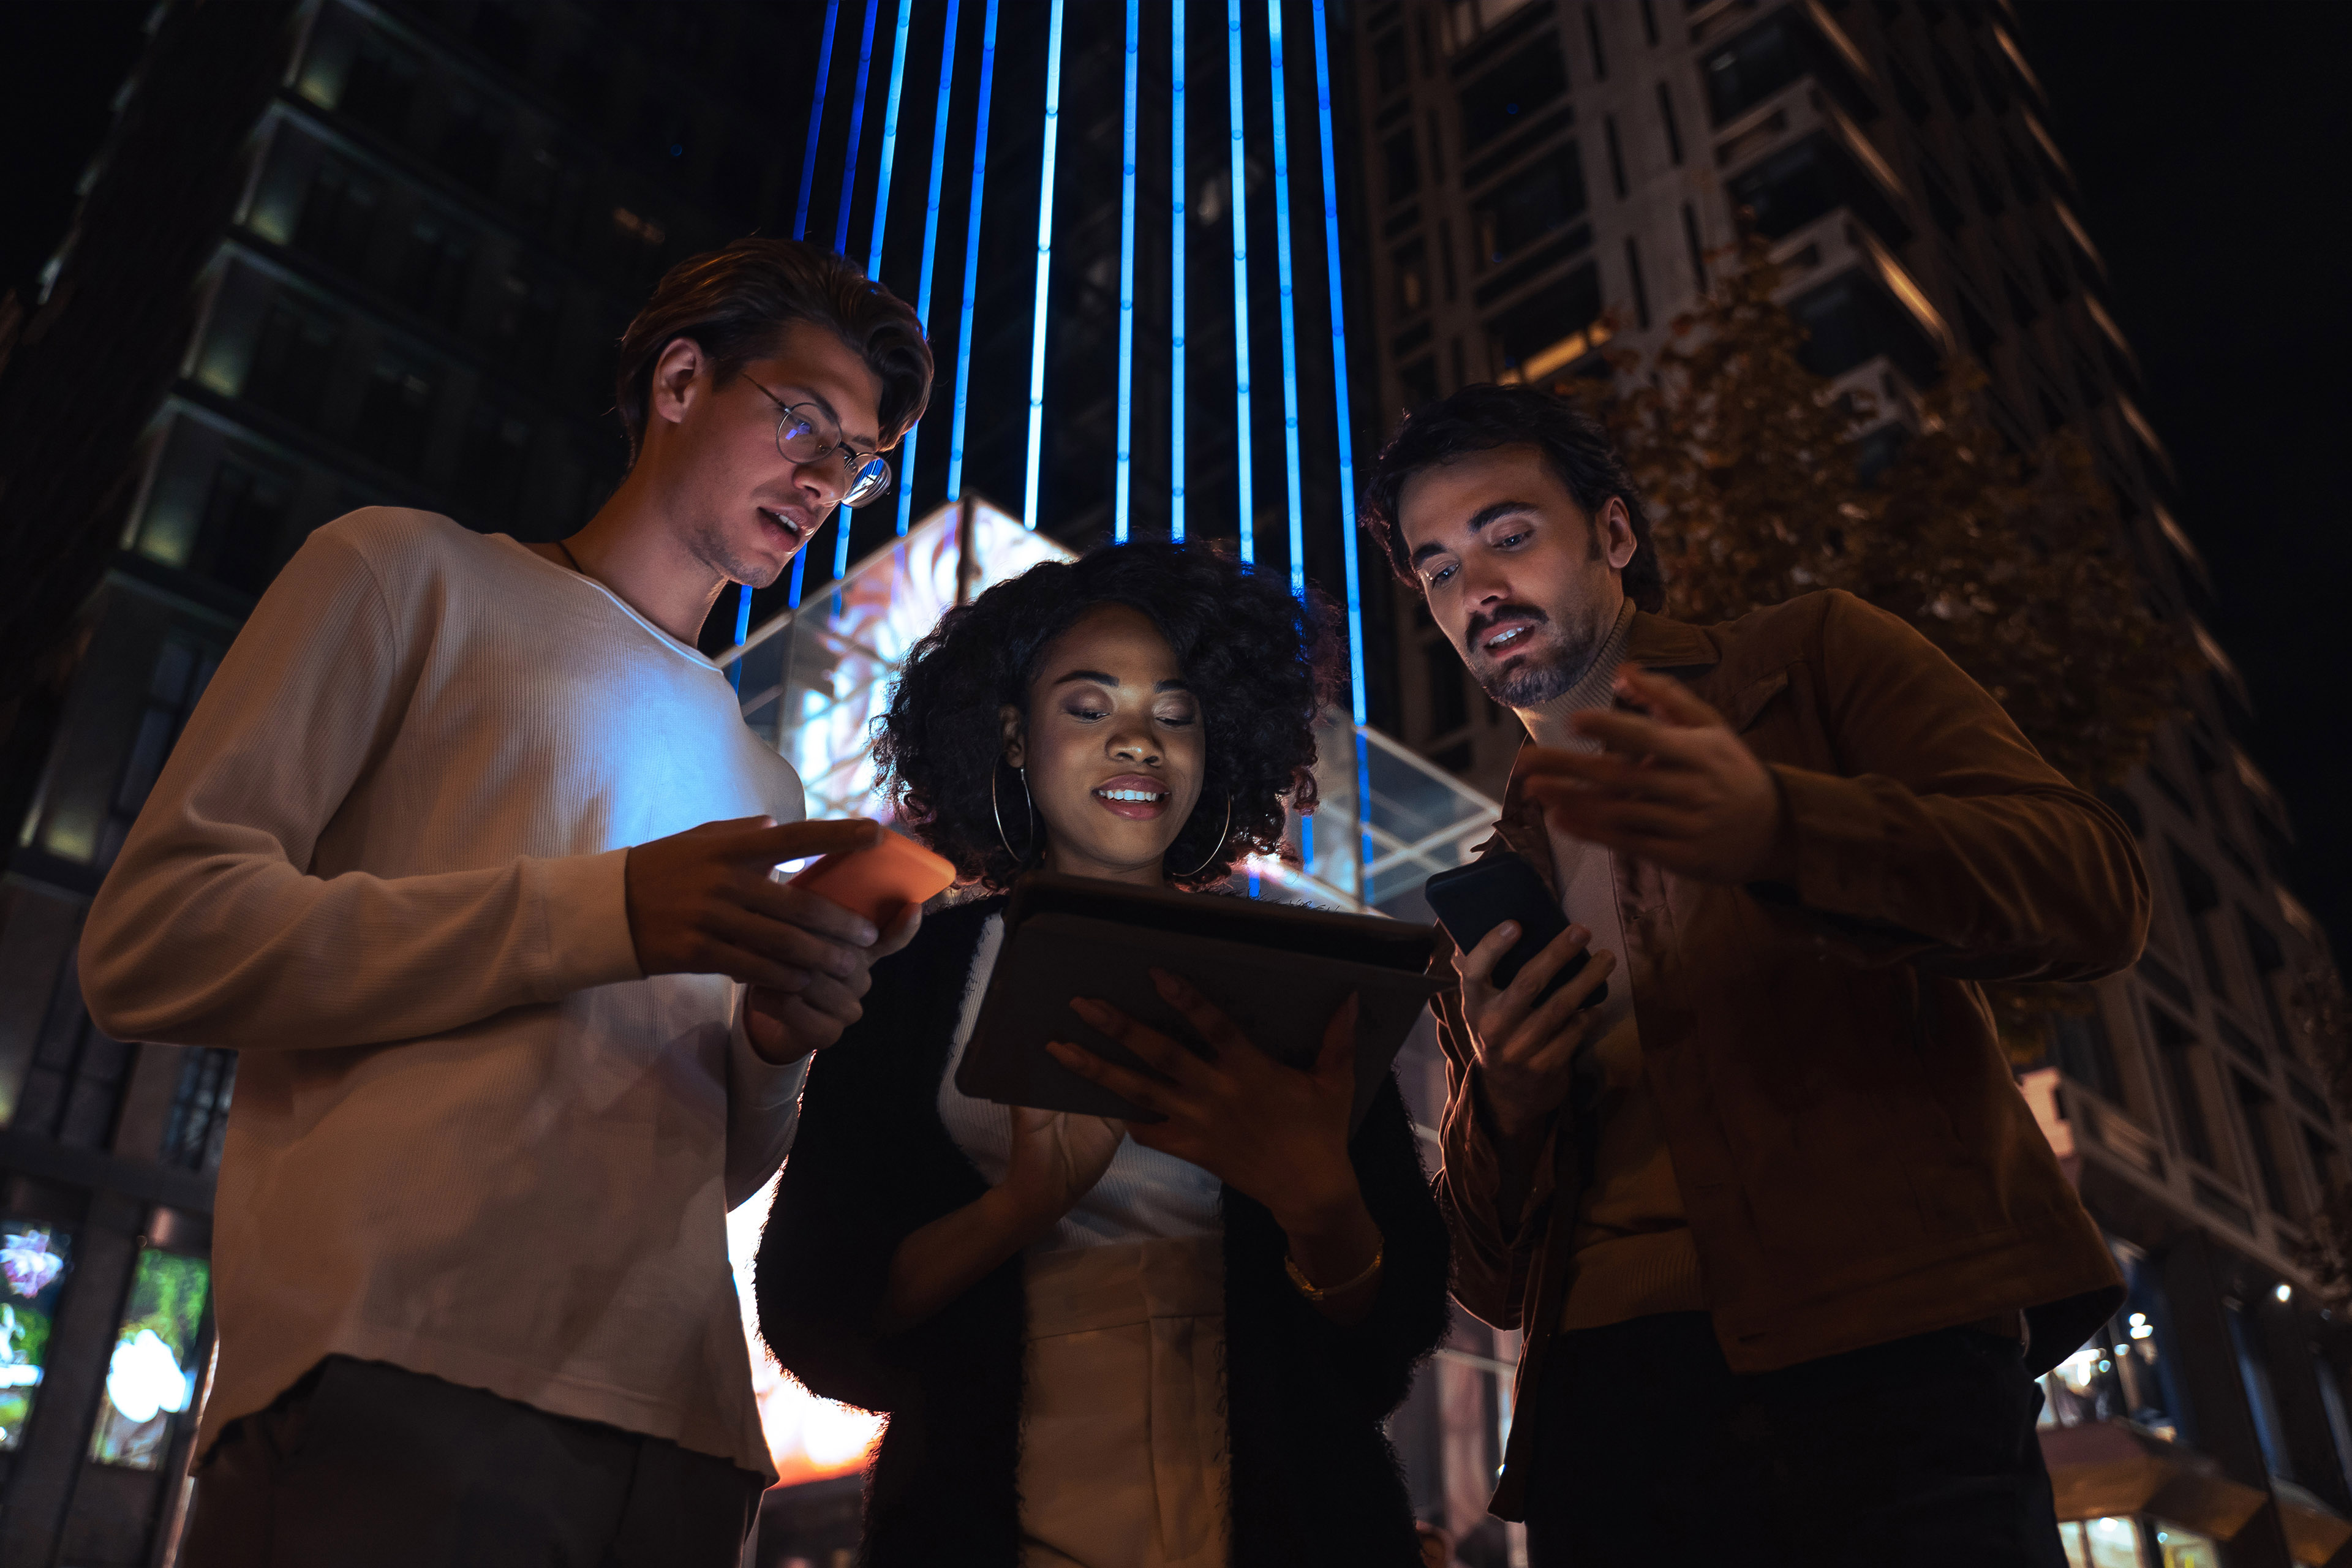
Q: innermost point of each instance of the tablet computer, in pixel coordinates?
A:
(1278, 970)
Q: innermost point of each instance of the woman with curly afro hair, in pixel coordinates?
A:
(1165, 1345)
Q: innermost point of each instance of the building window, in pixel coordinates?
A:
(293, 359)
(1810, 180)
(1390, 69)
(1770, 56)
(432, 276)
(1551, 316)
(244, 519)
(1410, 264)
(2177, 1047)
(1501, 101)
(1420, 381)
(396, 412)
(1850, 319)
(1616, 153)
(1674, 132)
(2083, 1052)
(473, 141)
(2269, 969)
(1641, 290)
(1402, 161)
(2255, 1114)
(1592, 37)
(337, 221)
(523, 321)
(199, 1119)
(73, 1084)
(36, 1256)
(490, 460)
(501, 29)
(1697, 249)
(2201, 899)
(151, 1380)
(2261, 1397)
(1539, 199)
(381, 89)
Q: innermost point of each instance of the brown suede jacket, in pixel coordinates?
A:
(1855, 1157)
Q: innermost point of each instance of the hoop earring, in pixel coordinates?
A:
(1222, 834)
(1018, 857)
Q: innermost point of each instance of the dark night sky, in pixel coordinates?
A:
(2210, 142)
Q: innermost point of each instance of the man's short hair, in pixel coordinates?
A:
(736, 303)
(1482, 417)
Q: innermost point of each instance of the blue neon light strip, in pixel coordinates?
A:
(930, 249)
(816, 122)
(1127, 284)
(1044, 266)
(1339, 372)
(971, 255)
(1347, 461)
(857, 130)
(841, 238)
(1244, 506)
(1289, 326)
(799, 231)
(1176, 236)
(890, 139)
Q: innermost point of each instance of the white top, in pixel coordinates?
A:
(386, 863)
(1145, 1196)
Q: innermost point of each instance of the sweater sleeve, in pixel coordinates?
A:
(763, 1109)
(212, 928)
(1945, 839)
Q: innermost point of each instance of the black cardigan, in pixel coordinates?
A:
(1314, 1479)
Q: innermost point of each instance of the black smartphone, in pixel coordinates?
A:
(1473, 900)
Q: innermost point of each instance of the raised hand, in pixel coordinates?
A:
(1526, 1052)
(1674, 786)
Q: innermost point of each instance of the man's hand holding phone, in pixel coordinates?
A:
(1526, 1048)
(706, 901)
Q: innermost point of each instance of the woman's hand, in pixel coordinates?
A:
(1056, 1158)
(1270, 1131)
(1273, 1133)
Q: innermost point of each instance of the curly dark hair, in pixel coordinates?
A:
(1481, 417)
(1260, 661)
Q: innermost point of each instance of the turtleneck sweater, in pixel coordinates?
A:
(1634, 1253)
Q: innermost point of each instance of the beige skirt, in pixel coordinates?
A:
(1123, 1458)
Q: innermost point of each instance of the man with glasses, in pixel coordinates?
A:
(468, 851)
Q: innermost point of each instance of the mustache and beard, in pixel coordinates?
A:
(1543, 666)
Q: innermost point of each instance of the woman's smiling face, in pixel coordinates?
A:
(1114, 747)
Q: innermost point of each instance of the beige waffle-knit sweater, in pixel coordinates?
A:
(385, 864)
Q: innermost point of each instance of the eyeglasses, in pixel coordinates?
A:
(805, 433)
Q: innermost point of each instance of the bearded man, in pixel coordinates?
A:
(1784, 1240)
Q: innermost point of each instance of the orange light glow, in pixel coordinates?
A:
(809, 1439)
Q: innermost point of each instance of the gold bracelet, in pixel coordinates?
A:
(1305, 1287)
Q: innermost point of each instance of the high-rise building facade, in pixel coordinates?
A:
(1543, 175)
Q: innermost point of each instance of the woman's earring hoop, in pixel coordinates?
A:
(1222, 834)
(992, 810)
